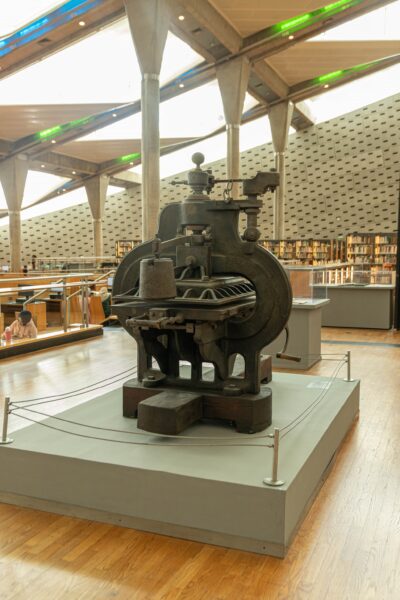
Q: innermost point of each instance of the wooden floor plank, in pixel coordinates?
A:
(347, 548)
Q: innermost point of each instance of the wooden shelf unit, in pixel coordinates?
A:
(307, 251)
(375, 250)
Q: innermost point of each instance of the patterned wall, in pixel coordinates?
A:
(343, 176)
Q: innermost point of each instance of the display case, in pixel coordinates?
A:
(307, 283)
(354, 275)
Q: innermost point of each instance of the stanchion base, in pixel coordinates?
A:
(6, 441)
(349, 380)
(273, 483)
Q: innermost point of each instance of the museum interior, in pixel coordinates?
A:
(199, 299)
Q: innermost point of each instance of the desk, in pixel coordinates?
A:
(48, 340)
(38, 310)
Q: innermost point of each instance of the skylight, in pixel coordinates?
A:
(192, 114)
(380, 24)
(19, 13)
(356, 94)
(40, 184)
(100, 68)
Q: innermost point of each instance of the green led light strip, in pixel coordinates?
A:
(128, 157)
(334, 75)
(57, 130)
(301, 21)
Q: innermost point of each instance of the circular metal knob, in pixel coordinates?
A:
(198, 159)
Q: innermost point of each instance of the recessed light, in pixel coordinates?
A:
(181, 17)
(114, 114)
(64, 190)
(181, 85)
(326, 85)
(337, 218)
(131, 163)
(291, 37)
(53, 141)
(82, 23)
(42, 166)
(73, 172)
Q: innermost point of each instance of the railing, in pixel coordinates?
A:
(83, 289)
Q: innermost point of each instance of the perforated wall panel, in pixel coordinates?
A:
(342, 176)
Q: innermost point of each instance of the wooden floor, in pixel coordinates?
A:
(348, 547)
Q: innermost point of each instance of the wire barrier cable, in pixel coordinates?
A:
(139, 433)
(101, 439)
(305, 413)
(78, 391)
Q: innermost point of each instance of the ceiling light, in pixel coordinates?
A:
(181, 17)
(82, 23)
(181, 85)
(326, 85)
(42, 166)
(114, 114)
(131, 163)
(73, 172)
(291, 37)
(64, 190)
(53, 141)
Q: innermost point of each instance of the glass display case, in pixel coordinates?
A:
(355, 275)
(308, 283)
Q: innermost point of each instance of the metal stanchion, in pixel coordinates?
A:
(348, 361)
(274, 481)
(4, 438)
(65, 303)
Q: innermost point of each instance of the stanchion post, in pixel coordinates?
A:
(4, 438)
(274, 481)
(65, 308)
(348, 363)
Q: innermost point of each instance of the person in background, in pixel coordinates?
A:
(34, 257)
(106, 301)
(23, 327)
(25, 270)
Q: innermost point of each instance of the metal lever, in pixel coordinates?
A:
(288, 357)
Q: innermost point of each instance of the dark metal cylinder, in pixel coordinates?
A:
(157, 279)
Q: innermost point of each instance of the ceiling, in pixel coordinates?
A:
(105, 150)
(310, 59)
(215, 30)
(250, 16)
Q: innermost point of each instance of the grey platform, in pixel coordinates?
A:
(209, 494)
(304, 335)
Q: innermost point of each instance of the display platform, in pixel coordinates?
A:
(188, 488)
(304, 335)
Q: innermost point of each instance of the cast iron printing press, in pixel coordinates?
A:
(202, 301)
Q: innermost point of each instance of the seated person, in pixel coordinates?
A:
(23, 327)
(106, 301)
(105, 297)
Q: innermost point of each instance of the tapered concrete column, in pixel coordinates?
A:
(148, 22)
(233, 78)
(13, 174)
(96, 191)
(280, 118)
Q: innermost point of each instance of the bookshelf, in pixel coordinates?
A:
(122, 247)
(376, 250)
(307, 252)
